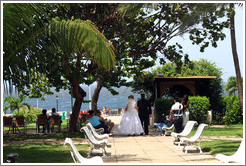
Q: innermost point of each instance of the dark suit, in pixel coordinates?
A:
(143, 112)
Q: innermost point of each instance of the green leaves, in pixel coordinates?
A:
(198, 108)
(82, 37)
(233, 113)
(231, 86)
(15, 103)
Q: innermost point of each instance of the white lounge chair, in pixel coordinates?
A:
(187, 129)
(168, 129)
(96, 135)
(77, 158)
(99, 131)
(94, 144)
(237, 157)
(195, 140)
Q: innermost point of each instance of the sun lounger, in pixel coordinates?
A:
(77, 158)
(94, 144)
(237, 157)
(195, 140)
(188, 127)
(96, 135)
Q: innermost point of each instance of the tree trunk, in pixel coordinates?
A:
(79, 95)
(96, 93)
(235, 58)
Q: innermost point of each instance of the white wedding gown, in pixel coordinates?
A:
(130, 123)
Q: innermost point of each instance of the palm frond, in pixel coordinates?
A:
(79, 35)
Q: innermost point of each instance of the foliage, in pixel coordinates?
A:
(15, 103)
(198, 108)
(233, 113)
(30, 115)
(162, 106)
(231, 86)
(65, 51)
(202, 67)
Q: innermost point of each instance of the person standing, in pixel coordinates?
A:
(177, 110)
(185, 102)
(144, 112)
(130, 123)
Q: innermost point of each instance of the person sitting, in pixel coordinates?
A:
(44, 111)
(95, 122)
(105, 121)
(168, 122)
(54, 113)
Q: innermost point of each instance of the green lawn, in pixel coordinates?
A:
(43, 153)
(214, 147)
(227, 132)
(61, 136)
(57, 153)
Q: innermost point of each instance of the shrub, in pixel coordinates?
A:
(198, 108)
(30, 115)
(232, 110)
(162, 106)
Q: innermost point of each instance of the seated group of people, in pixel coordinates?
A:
(97, 121)
(47, 117)
(175, 115)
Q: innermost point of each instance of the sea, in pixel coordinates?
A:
(65, 102)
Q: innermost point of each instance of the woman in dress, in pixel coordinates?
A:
(130, 123)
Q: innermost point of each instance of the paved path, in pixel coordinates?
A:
(151, 148)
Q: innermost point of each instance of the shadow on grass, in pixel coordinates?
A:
(226, 147)
(61, 135)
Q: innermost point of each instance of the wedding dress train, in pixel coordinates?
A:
(130, 123)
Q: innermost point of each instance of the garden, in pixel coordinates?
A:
(61, 46)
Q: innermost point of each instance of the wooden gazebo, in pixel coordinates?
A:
(193, 83)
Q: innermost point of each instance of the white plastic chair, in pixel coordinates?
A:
(94, 144)
(77, 158)
(195, 140)
(96, 135)
(237, 157)
(168, 129)
(187, 129)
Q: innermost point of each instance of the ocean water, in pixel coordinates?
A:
(65, 102)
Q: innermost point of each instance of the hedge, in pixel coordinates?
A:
(232, 110)
(162, 106)
(198, 108)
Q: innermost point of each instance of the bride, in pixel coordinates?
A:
(130, 123)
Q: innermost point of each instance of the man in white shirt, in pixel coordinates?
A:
(176, 106)
(177, 110)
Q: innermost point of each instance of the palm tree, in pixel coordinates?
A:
(65, 51)
(231, 86)
(16, 103)
(235, 56)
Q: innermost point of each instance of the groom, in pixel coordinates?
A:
(143, 112)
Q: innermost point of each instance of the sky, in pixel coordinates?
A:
(222, 55)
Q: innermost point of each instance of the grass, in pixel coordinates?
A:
(57, 153)
(58, 136)
(43, 153)
(214, 147)
(217, 132)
